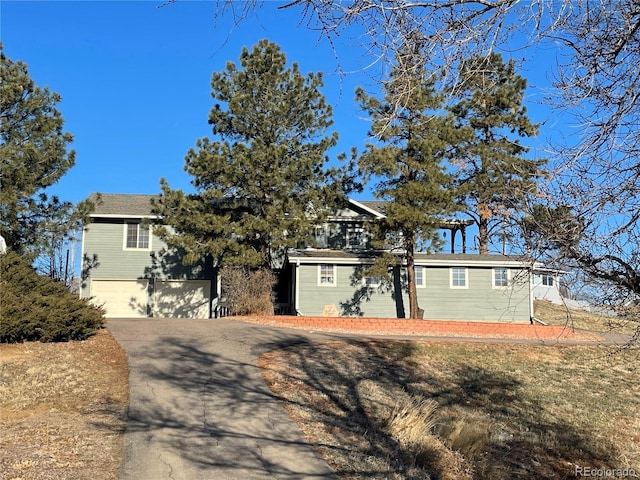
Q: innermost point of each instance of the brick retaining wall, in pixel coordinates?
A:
(437, 328)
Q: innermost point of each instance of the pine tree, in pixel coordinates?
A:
(262, 182)
(494, 175)
(35, 155)
(409, 167)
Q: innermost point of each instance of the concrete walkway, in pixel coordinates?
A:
(199, 408)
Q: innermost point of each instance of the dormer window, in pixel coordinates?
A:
(356, 238)
(320, 235)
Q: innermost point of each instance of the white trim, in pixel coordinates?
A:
(493, 279)
(119, 215)
(375, 213)
(335, 275)
(531, 314)
(352, 232)
(340, 260)
(548, 276)
(124, 238)
(371, 282)
(466, 279)
(296, 302)
(424, 276)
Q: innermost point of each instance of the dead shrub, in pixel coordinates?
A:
(247, 292)
(467, 435)
(411, 422)
(411, 419)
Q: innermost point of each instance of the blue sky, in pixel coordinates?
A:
(134, 79)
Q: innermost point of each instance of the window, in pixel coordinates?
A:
(356, 237)
(372, 281)
(320, 234)
(547, 279)
(500, 277)
(137, 236)
(326, 274)
(419, 276)
(458, 277)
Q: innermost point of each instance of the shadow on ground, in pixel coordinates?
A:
(211, 413)
(344, 385)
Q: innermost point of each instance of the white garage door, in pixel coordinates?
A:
(182, 298)
(121, 298)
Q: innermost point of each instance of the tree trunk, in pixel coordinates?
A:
(414, 310)
(483, 232)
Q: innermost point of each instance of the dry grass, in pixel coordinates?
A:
(62, 409)
(411, 410)
(595, 322)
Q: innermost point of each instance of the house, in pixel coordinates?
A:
(125, 268)
(449, 286)
(546, 285)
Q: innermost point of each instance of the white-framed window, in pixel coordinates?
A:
(500, 277)
(327, 275)
(136, 236)
(547, 279)
(420, 279)
(459, 277)
(371, 282)
(356, 238)
(321, 237)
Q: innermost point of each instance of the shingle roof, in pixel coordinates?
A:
(377, 205)
(122, 204)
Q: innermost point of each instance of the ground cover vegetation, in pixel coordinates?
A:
(420, 410)
(62, 409)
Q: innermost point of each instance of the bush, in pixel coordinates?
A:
(247, 292)
(34, 307)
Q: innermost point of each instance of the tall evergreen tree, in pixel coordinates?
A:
(494, 175)
(34, 155)
(263, 181)
(409, 167)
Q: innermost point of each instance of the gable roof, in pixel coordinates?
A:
(121, 205)
(135, 205)
(127, 205)
(374, 205)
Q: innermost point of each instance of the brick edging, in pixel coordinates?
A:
(432, 327)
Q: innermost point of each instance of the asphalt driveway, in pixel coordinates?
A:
(199, 408)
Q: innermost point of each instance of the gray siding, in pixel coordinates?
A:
(349, 296)
(103, 247)
(479, 302)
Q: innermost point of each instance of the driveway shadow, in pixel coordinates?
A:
(199, 408)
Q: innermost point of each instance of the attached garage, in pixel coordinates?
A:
(182, 298)
(121, 298)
